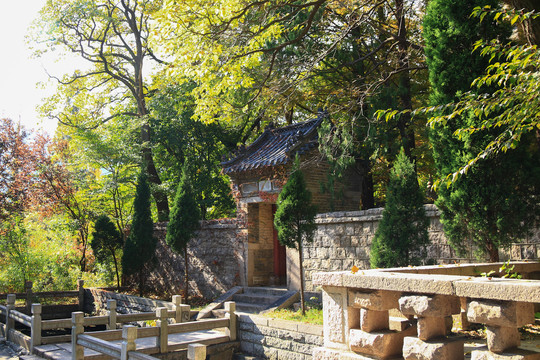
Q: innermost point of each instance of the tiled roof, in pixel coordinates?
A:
(276, 146)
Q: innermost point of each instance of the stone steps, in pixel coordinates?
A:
(257, 299)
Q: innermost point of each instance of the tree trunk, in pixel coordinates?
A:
(493, 252)
(301, 267)
(186, 277)
(404, 123)
(367, 198)
(531, 27)
(162, 203)
(116, 270)
(141, 283)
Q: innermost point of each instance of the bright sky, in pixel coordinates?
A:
(19, 74)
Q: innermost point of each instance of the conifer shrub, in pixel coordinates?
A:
(183, 222)
(402, 237)
(141, 244)
(295, 218)
(106, 241)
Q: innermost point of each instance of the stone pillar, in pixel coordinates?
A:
(29, 295)
(232, 331)
(36, 326)
(434, 323)
(111, 306)
(129, 334)
(371, 335)
(77, 328)
(177, 301)
(10, 306)
(502, 320)
(80, 288)
(162, 340)
(196, 352)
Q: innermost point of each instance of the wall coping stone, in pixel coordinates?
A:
(374, 214)
(463, 286)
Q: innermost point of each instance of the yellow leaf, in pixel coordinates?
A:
(354, 269)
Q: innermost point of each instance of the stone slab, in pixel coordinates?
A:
(500, 313)
(382, 344)
(431, 327)
(514, 354)
(373, 300)
(371, 320)
(499, 289)
(500, 339)
(322, 353)
(423, 305)
(443, 349)
(394, 281)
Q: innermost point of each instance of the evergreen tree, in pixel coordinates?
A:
(106, 241)
(295, 218)
(183, 222)
(402, 237)
(493, 204)
(140, 244)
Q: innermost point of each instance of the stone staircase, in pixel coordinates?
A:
(255, 300)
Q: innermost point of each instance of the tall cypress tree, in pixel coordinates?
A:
(402, 235)
(488, 205)
(295, 218)
(183, 222)
(140, 245)
(106, 241)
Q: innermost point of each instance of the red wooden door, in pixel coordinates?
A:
(280, 255)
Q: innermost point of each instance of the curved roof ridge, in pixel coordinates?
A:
(276, 145)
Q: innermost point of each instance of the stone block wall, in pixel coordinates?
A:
(215, 259)
(268, 338)
(343, 239)
(223, 253)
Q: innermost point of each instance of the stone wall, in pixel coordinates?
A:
(268, 338)
(343, 239)
(95, 302)
(215, 258)
(223, 252)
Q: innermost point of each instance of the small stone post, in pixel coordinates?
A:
(232, 331)
(196, 352)
(185, 313)
(434, 323)
(129, 334)
(80, 288)
(111, 306)
(28, 290)
(162, 339)
(502, 320)
(36, 326)
(10, 306)
(369, 322)
(77, 328)
(177, 301)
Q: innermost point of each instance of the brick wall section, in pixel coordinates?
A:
(268, 338)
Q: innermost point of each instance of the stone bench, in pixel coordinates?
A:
(356, 313)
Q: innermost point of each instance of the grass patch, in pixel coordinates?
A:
(313, 316)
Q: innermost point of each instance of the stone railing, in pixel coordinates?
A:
(180, 313)
(104, 341)
(356, 312)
